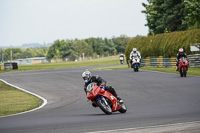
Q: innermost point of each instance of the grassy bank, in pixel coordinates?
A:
(14, 101)
(93, 62)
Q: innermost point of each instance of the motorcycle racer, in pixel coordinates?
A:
(121, 58)
(180, 55)
(88, 78)
(134, 53)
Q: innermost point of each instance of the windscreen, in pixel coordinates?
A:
(90, 87)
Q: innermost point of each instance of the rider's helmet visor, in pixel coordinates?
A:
(85, 78)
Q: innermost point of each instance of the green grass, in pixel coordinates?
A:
(112, 67)
(14, 101)
(93, 62)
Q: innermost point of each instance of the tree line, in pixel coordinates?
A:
(90, 47)
(19, 53)
(165, 16)
(71, 49)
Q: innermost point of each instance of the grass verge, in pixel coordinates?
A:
(93, 62)
(112, 67)
(14, 101)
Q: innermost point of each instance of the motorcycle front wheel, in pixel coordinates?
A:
(123, 109)
(105, 108)
(181, 73)
(184, 72)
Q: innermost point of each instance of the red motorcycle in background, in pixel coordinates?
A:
(183, 66)
(107, 102)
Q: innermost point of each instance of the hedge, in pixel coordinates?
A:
(165, 45)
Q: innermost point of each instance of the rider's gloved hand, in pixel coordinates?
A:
(103, 84)
(102, 87)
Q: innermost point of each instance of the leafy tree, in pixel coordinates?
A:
(82, 47)
(16, 53)
(192, 14)
(52, 49)
(164, 16)
(121, 43)
(57, 54)
(62, 49)
(109, 46)
(72, 55)
(97, 45)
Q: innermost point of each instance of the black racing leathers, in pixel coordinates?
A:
(179, 55)
(99, 81)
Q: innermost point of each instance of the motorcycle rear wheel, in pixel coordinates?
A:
(105, 108)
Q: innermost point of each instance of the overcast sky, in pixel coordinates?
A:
(39, 21)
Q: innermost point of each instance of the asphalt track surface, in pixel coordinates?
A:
(152, 99)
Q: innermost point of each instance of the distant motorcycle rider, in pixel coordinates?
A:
(180, 55)
(121, 58)
(134, 53)
(88, 78)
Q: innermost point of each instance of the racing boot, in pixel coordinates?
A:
(120, 100)
(176, 68)
(94, 104)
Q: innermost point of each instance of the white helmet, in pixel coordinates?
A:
(180, 50)
(134, 49)
(86, 76)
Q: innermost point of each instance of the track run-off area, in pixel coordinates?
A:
(153, 99)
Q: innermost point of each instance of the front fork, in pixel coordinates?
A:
(102, 98)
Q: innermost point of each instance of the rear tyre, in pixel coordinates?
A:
(105, 108)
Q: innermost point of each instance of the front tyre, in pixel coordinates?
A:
(123, 109)
(181, 73)
(184, 72)
(105, 108)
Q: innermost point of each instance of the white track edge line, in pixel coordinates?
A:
(137, 128)
(41, 106)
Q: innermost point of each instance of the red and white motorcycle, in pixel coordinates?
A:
(107, 102)
(183, 66)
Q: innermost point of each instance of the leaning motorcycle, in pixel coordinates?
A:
(183, 67)
(107, 102)
(135, 64)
